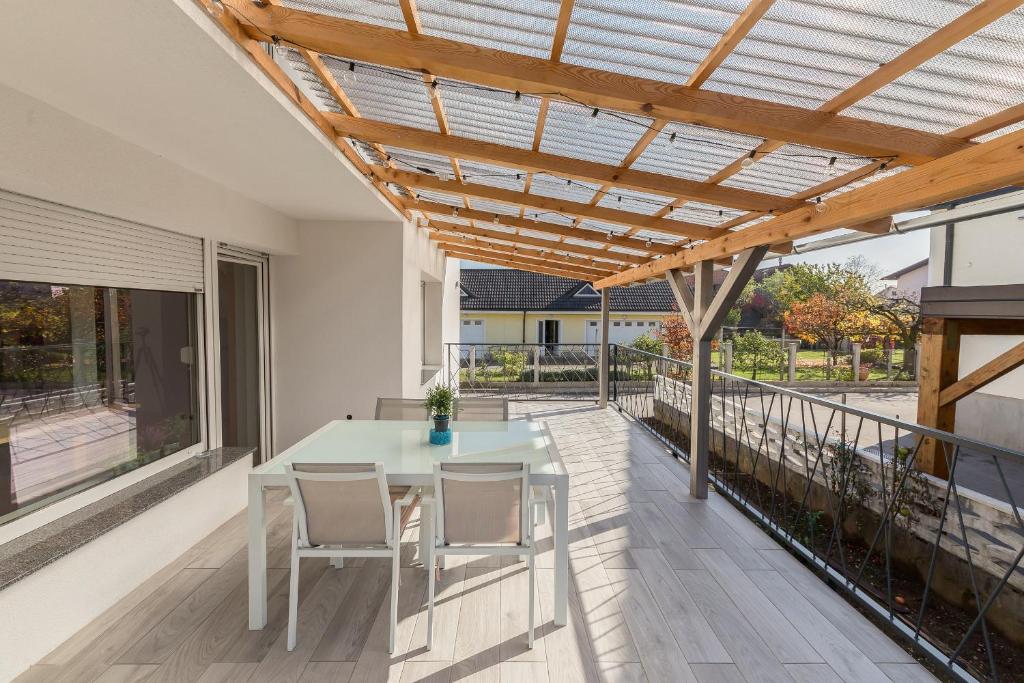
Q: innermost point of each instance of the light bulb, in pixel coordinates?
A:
(647, 244)
(455, 211)
(820, 206)
(216, 7)
(518, 99)
(609, 236)
(672, 140)
(593, 116)
(748, 161)
(534, 218)
(495, 219)
(831, 170)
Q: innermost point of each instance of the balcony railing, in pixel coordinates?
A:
(940, 560)
(524, 371)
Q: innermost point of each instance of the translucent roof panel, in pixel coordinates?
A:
(308, 81)
(696, 153)
(791, 169)
(663, 40)
(380, 13)
(491, 116)
(806, 53)
(571, 130)
(631, 200)
(979, 76)
(388, 95)
(419, 162)
(523, 26)
(999, 133)
(866, 180)
(704, 214)
(550, 186)
(539, 235)
(489, 206)
(493, 176)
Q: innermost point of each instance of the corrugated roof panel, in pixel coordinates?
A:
(631, 200)
(571, 130)
(697, 152)
(491, 116)
(523, 26)
(494, 176)
(390, 95)
(494, 207)
(550, 186)
(439, 198)
(387, 14)
(1001, 132)
(659, 39)
(704, 214)
(791, 169)
(419, 162)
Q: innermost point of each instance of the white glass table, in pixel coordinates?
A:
(408, 460)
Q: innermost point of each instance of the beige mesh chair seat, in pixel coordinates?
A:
(345, 510)
(401, 409)
(481, 410)
(481, 509)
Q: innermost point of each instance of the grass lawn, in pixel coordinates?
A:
(811, 366)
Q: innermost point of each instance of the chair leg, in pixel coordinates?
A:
(394, 598)
(533, 583)
(431, 580)
(338, 562)
(426, 531)
(293, 599)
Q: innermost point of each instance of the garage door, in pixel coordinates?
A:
(472, 332)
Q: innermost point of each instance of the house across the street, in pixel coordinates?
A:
(501, 306)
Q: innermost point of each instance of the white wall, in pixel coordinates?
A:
(54, 156)
(346, 318)
(987, 251)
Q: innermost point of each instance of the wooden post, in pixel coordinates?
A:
(603, 351)
(728, 357)
(793, 346)
(939, 367)
(700, 397)
(856, 361)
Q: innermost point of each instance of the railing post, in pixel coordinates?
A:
(602, 371)
(856, 361)
(888, 363)
(728, 357)
(472, 363)
(917, 361)
(536, 364)
(615, 375)
(793, 346)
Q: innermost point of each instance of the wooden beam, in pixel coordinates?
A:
(506, 251)
(445, 210)
(967, 24)
(988, 166)
(940, 362)
(561, 30)
(563, 206)
(989, 372)
(593, 87)
(482, 257)
(879, 226)
(738, 277)
(683, 295)
(230, 25)
(517, 158)
(992, 123)
(536, 242)
(729, 40)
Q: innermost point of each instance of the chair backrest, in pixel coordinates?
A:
(401, 409)
(481, 409)
(339, 504)
(482, 503)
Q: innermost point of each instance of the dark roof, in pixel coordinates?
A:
(494, 289)
(903, 271)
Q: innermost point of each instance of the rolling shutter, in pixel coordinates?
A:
(41, 241)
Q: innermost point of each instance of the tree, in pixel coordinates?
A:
(753, 349)
(903, 317)
(648, 344)
(800, 282)
(820, 320)
(676, 336)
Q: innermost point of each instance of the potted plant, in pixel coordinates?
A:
(439, 402)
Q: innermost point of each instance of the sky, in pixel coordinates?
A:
(890, 253)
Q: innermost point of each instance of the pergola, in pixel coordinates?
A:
(617, 142)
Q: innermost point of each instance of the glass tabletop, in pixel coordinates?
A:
(403, 447)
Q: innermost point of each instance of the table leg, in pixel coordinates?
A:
(257, 555)
(561, 531)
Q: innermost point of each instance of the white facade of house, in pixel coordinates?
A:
(986, 251)
(121, 109)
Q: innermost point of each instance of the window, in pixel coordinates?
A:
(94, 382)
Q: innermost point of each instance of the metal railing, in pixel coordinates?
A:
(523, 372)
(940, 560)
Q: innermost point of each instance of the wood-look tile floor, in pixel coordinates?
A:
(664, 588)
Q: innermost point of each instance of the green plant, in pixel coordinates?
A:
(513, 363)
(439, 401)
(847, 477)
(753, 350)
(872, 356)
(647, 344)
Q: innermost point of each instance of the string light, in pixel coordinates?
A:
(495, 219)
(673, 140)
(455, 211)
(831, 170)
(648, 243)
(518, 99)
(819, 205)
(216, 7)
(748, 160)
(593, 116)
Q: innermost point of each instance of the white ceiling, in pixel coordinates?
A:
(161, 75)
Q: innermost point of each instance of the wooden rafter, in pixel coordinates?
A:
(509, 251)
(543, 227)
(593, 87)
(552, 204)
(254, 48)
(517, 158)
(483, 233)
(992, 123)
(988, 166)
(519, 264)
(729, 40)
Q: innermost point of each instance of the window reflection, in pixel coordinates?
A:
(94, 382)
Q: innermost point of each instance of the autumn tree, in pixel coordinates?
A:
(676, 336)
(753, 350)
(820, 320)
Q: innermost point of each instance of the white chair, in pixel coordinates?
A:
(481, 509)
(481, 410)
(345, 510)
(401, 409)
